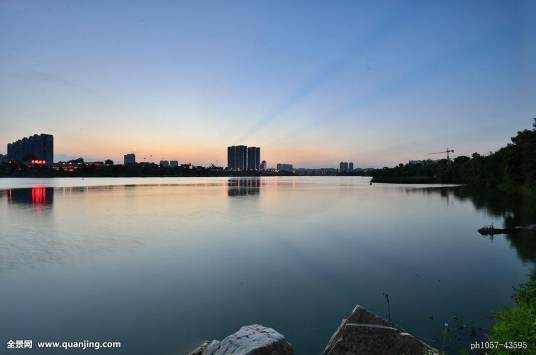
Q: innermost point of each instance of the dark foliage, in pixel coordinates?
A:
(511, 167)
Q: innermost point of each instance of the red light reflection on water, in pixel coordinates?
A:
(39, 195)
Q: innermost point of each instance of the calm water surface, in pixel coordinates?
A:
(161, 264)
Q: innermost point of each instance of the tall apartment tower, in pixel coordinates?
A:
(36, 147)
(237, 157)
(129, 159)
(254, 158)
(231, 151)
(346, 167)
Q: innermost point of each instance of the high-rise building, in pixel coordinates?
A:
(164, 163)
(237, 158)
(231, 158)
(173, 163)
(36, 147)
(241, 158)
(129, 159)
(346, 167)
(254, 158)
(285, 167)
(231, 151)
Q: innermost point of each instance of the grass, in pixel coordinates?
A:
(518, 323)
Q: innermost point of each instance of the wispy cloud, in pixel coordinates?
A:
(387, 27)
(57, 81)
(436, 67)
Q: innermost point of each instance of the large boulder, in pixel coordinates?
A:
(249, 340)
(364, 333)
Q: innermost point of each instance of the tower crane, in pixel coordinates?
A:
(448, 151)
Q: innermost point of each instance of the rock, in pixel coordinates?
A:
(249, 340)
(492, 230)
(364, 333)
(201, 349)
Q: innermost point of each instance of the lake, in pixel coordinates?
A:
(161, 264)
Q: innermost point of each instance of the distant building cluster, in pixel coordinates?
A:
(169, 163)
(346, 167)
(243, 158)
(38, 148)
(130, 159)
(285, 167)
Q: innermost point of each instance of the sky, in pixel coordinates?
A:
(310, 82)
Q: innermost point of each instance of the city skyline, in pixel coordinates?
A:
(312, 83)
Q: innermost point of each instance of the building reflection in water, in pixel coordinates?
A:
(37, 196)
(243, 186)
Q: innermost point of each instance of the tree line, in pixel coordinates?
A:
(511, 167)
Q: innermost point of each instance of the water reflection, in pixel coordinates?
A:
(169, 253)
(243, 186)
(37, 196)
(514, 209)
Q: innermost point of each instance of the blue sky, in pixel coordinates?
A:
(311, 83)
